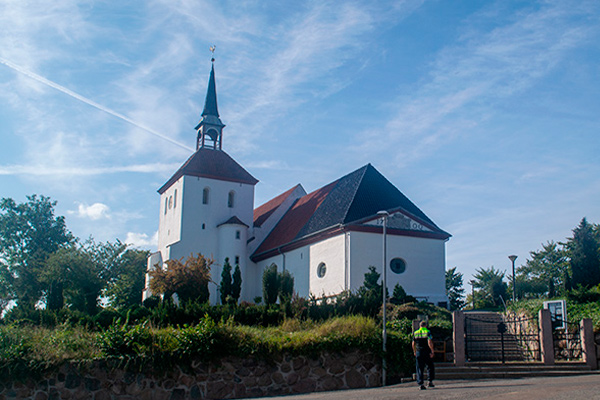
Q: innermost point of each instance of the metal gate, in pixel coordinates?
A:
(490, 337)
(526, 331)
(567, 342)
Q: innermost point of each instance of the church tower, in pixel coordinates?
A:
(207, 206)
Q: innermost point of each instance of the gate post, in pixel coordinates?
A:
(588, 346)
(546, 339)
(458, 336)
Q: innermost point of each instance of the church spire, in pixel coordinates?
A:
(210, 127)
(210, 104)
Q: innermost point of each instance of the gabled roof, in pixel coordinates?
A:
(213, 164)
(346, 201)
(233, 221)
(262, 213)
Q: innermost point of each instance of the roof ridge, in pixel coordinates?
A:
(349, 204)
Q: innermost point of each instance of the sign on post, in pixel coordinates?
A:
(558, 313)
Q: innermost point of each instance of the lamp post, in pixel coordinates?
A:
(513, 258)
(384, 217)
(472, 283)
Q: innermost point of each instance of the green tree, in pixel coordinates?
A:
(126, 284)
(226, 284)
(371, 292)
(270, 281)
(399, 296)
(492, 288)
(286, 286)
(543, 274)
(236, 285)
(584, 252)
(454, 289)
(29, 233)
(188, 280)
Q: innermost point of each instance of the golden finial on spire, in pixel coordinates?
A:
(212, 50)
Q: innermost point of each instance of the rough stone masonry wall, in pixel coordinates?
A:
(229, 379)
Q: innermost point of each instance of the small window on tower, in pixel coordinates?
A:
(203, 226)
(166, 205)
(205, 195)
(175, 199)
(237, 260)
(237, 234)
(170, 202)
(231, 199)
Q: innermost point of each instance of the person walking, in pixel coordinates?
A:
(422, 345)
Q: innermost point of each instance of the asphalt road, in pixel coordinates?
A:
(547, 388)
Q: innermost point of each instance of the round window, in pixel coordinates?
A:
(321, 270)
(398, 265)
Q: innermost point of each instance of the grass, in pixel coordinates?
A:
(27, 349)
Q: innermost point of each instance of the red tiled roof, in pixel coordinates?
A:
(264, 211)
(214, 164)
(296, 217)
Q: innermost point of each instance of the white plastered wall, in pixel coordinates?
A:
(425, 263)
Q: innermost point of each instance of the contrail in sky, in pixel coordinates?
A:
(79, 97)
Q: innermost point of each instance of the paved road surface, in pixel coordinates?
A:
(582, 387)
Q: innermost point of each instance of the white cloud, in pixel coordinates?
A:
(94, 212)
(141, 239)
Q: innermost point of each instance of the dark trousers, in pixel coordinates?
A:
(424, 359)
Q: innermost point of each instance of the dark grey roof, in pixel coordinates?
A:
(233, 221)
(214, 164)
(349, 200)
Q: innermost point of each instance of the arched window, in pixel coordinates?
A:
(175, 199)
(166, 204)
(231, 199)
(205, 195)
(170, 202)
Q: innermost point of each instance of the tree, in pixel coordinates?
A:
(188, 280)
(584, 252)
(73, 269)
(29, 233)
(286, 286)
(236, 285)
(492, 288)
(126, 284)
(270, 281)
(399, 296)
(370, 292)
(226, 281)
(543, 275)
(454, 289)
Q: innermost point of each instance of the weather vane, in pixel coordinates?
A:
(212, 50)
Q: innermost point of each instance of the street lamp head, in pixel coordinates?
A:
(512, 258)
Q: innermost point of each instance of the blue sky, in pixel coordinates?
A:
(484, 113)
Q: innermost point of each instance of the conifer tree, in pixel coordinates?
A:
(226, 281)
(236, 285)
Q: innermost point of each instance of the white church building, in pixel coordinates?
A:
(326, 239)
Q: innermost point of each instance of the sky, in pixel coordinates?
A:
(484, 113)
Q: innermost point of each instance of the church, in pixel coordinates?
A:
(326, 239)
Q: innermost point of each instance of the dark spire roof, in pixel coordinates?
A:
(347, 201)
(207, 163)
(210, 104)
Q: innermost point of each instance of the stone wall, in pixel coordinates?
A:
(229, 379)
